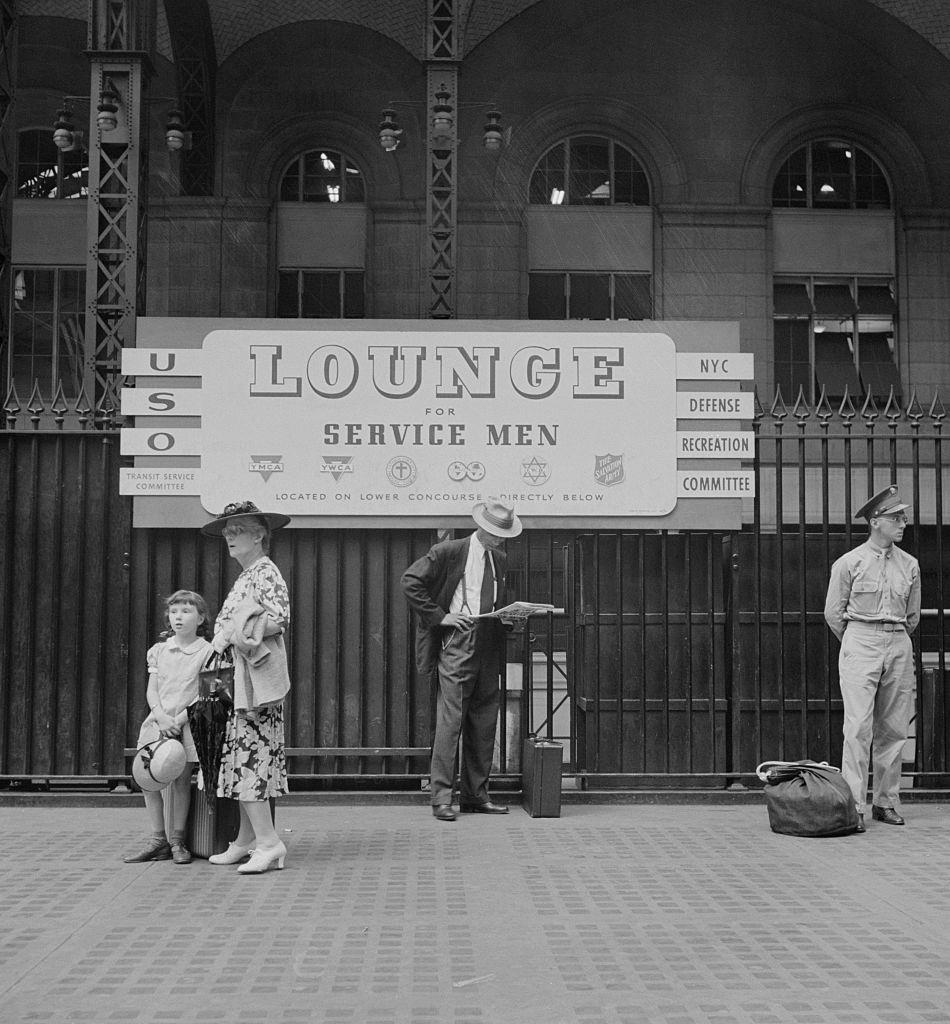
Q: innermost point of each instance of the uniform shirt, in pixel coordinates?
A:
(468, 594)
(870, 584)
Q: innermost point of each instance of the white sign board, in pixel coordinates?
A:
(350, 422)
(371, 422)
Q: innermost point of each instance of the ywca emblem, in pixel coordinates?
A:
(608, 469)
(535, 471)
(266, 465)
(337, 465)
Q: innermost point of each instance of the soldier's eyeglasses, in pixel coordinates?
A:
(895, 519)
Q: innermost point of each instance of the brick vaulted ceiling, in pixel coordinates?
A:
(235, 22)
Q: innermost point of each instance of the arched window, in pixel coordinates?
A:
(322, 176)
(589, 170)
(321, 246)
(45, 172)
(831, 174)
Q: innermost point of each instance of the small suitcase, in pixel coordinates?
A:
(212, 823)
(541, 777)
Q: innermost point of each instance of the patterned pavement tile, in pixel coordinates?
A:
(611, 914)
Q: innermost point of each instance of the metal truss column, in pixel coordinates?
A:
(8, 53)
(120, 41)
(189, 23)
(442, 56)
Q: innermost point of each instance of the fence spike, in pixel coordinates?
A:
(757, 411)
(59, 406)
(82, 408)
(11, 405)
(36, 406)
(779, 409)
(869, 411)
(892, 411)
(801, 412)
(847, 410)
(823, 409)
(914, 411)
(937, 411)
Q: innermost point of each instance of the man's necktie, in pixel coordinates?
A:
(487, 599)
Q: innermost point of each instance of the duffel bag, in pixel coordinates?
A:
(807, 798)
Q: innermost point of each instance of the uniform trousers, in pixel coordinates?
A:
(467, 705)
(876, 670)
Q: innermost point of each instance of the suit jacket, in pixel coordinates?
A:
(429, 585)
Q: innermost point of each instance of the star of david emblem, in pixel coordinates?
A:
(535, 471)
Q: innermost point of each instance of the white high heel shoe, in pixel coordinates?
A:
(232, 855)
(261, 860)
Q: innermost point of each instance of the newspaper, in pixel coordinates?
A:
(518, 611)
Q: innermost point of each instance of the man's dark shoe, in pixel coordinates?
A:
(485, 808)
(443, 812)
(860, 827)
(886, 814)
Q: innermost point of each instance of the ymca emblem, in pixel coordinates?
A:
(608, 469)
(266, 465)
(337, 465)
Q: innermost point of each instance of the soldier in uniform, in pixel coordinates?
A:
(872, 607)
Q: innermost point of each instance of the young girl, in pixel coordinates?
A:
(173, 667)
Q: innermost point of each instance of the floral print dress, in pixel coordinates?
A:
(253, 766)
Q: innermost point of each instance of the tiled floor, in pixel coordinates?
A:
(611, 914)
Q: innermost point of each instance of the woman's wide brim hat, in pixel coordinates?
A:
(496, 518)
(158, 763)
(243, 512)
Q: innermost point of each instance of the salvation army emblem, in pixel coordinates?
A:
(608, 469)
(337, 465)
(266, 465)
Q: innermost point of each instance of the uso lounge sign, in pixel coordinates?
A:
(424, 419)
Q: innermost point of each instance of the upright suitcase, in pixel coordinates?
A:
(541, 777)
(212, 823)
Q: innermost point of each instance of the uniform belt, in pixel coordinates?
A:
(883, 627)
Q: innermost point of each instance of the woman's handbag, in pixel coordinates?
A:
(217, 678)
(806, 798)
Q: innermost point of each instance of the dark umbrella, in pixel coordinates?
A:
(208, 718)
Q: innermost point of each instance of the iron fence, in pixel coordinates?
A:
(683, 659)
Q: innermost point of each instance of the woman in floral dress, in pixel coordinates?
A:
(251, 622)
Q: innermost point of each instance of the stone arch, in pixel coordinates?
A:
(303, 133)
(887, 142)
(594, 115)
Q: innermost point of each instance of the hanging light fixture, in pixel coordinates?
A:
(64, 130)
(389, 130)
(492, 135)
(175, 135)
(108, 109)
(442, 120)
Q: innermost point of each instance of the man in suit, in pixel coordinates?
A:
(872, 607)
(450, 585)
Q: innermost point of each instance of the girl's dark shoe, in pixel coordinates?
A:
(180, 853)
(156, 848)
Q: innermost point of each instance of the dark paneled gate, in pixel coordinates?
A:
(684, 658)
